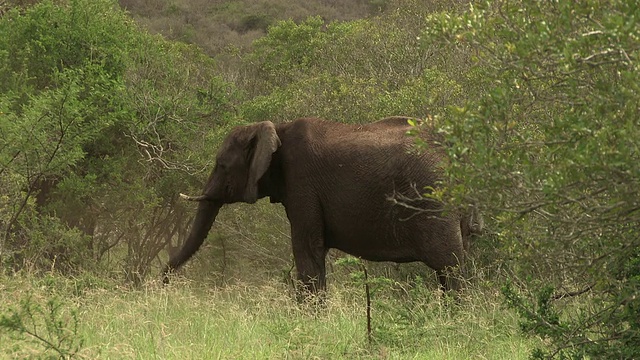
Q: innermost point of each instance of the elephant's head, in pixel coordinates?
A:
(243, 158)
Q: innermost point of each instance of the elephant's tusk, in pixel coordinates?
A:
(193, 198)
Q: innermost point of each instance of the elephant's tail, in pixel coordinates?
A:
(471, 223)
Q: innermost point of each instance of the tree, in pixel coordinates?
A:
(550, 150)
(99, 123)
(356, 71)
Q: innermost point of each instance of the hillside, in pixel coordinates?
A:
(217, 24)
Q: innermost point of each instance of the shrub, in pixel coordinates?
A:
(550, 152)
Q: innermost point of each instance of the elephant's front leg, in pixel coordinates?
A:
(309, 253)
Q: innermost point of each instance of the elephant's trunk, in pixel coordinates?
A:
(206, 215)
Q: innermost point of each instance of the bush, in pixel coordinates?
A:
(550, 152)
(358, 71)
(46, 327)
(101, 123)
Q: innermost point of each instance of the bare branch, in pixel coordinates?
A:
(413, 203)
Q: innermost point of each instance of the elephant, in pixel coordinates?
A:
(355, 188)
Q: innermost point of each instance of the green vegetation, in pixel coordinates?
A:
(551, 150)
(42, 327)
(191, 321)
(102, 124)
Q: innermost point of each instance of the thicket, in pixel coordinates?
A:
(102, 125)
(550, 150)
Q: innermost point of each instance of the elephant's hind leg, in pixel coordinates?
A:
(446, 256)
(450, 278)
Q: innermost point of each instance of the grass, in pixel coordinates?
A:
(190, 321)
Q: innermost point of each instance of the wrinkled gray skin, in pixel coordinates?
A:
(349, 187)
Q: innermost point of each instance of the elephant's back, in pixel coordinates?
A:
(380, 156)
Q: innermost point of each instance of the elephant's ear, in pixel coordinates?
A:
(265, 143)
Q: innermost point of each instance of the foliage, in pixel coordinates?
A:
(357, 71)
(48, 327)
(100, 123)
(550, 151)
(56, 101)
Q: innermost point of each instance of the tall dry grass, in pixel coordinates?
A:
(191, 320)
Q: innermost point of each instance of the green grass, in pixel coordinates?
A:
(191, 321)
